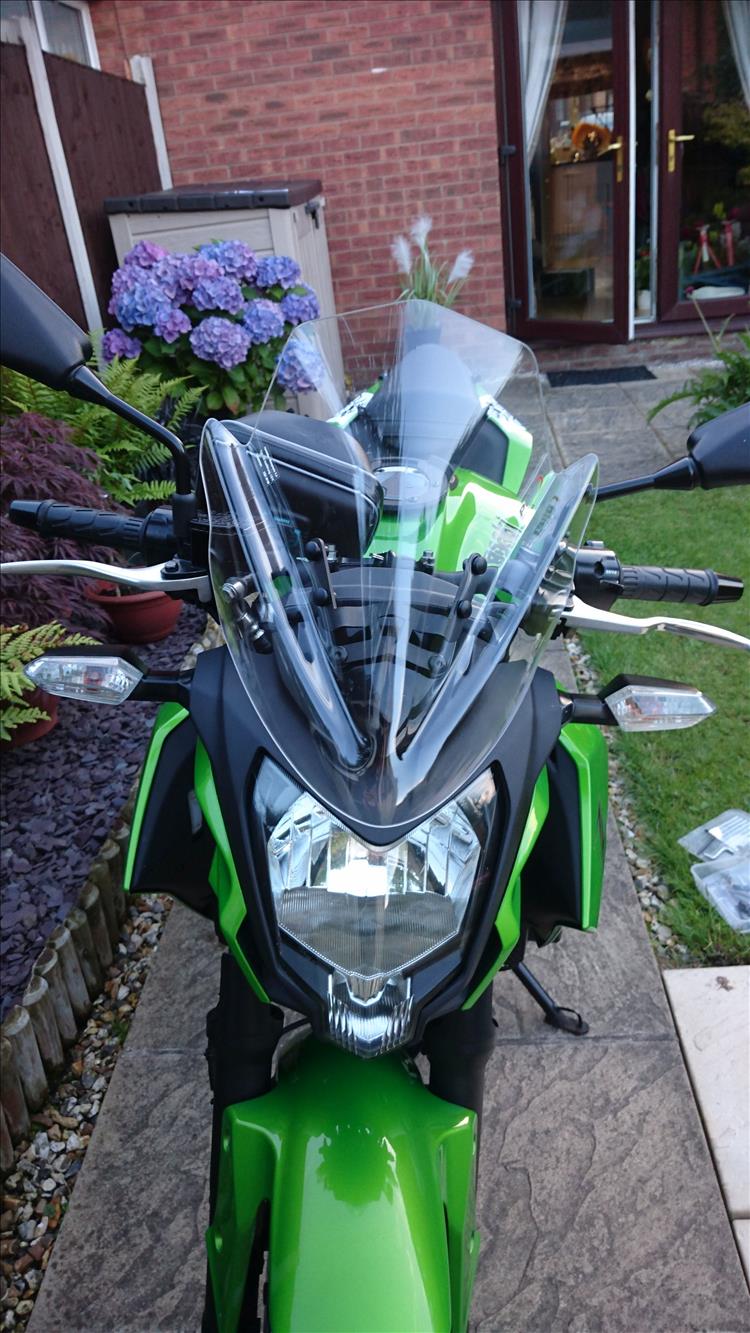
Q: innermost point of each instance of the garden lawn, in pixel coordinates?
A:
(679, 779)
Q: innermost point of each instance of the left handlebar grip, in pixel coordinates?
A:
(152, 536)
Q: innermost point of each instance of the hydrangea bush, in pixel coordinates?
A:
(219, 315)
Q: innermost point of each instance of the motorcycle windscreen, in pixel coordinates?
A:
(400, 550)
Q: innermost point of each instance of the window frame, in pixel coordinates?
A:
(89, 37)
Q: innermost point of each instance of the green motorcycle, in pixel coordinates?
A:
(374, 790)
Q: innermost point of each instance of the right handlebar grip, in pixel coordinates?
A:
(655, 583)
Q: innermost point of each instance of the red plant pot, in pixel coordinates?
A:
(137, 617)
(32, 731)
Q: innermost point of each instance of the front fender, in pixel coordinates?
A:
(370, 1181)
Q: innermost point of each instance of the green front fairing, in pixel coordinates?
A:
(466, 524)
(167, 718)
(223, 874)
(588, 750)
(370, 1181)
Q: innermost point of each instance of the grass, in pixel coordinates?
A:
(678, 779)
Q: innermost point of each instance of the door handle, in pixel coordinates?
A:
(618, 148)
(673, 138)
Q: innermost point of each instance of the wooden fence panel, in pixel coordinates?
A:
(109, 147)
(31, 225)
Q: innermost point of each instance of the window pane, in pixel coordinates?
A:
(714, 246)
(65, 35)
(567, 71)
(15, 9)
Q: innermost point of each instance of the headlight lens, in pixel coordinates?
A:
(370, 912)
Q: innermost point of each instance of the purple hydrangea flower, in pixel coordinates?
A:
(140, 303)
(299, 368)
(220, 340)
(263, 321)
(278, 271)
(218, 294)
(171, 323)
(297, 309)
(144, 255)
(195, 269)
(235, 258)
(117, 343)
(168, 274)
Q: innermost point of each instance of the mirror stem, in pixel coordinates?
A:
(680, 476)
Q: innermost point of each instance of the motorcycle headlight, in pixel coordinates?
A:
(370, 913)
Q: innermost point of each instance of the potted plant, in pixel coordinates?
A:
(137, 617)
(26, 712)
(219, 316)
(425, 279)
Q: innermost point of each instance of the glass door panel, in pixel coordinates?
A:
(571, 166)
(705, 165)
(568, 113)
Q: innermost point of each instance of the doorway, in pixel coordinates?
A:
(625, 162)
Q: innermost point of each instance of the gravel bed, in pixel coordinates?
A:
(59, 797)
(37, 1192)
(653, 893)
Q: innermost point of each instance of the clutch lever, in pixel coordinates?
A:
(149, 579)
(579, 615)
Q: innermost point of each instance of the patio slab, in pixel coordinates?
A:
(711, 1007)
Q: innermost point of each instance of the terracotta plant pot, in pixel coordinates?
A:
(32, 731)
(137, 617)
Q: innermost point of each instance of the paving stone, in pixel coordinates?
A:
(711, 1007)
(186, 970)
(130, 1256)
(577, 395)
(593, 420)
(637, 452)
(741, 1227)
(598, 1204)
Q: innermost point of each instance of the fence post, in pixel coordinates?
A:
(90, 902)
(11, 1094)
(19, 1032)
(38, 1001)
(99, 874)
(47, 965)
(62, 943)
(80, 930)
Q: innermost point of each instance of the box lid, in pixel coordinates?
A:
(228, 194)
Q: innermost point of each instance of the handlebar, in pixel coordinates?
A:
(153, 536)
(600, 579)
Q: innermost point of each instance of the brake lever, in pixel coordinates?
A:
(579, 615)
(149, 579)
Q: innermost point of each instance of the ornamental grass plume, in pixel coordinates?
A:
(427, 280)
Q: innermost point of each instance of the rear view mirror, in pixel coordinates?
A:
(37, 338)
(720, 450)
(719, 456)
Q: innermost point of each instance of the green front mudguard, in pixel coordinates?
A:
(371, 1185)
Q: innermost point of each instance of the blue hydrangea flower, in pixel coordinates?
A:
(141, 303)
(235, 258)
(218, 294)
(117, 343)
(299, 368)
(171, 323)
(220, 340)
(144, 255)
(278, 271)
(263, 320)
(297, 308)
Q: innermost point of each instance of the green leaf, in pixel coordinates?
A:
(214, 401)
(231, 398)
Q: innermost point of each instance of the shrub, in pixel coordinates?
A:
(19, 645)
(40, 462)
(715, 391)
(219, 315)
(123, 452)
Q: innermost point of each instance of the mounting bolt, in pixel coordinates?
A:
(478, 565)
(436, 664)
(463, 610)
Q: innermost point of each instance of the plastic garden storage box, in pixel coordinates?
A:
(273, 217)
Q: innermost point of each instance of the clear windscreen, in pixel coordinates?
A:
(397, 550)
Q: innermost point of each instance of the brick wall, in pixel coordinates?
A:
(286, 87)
